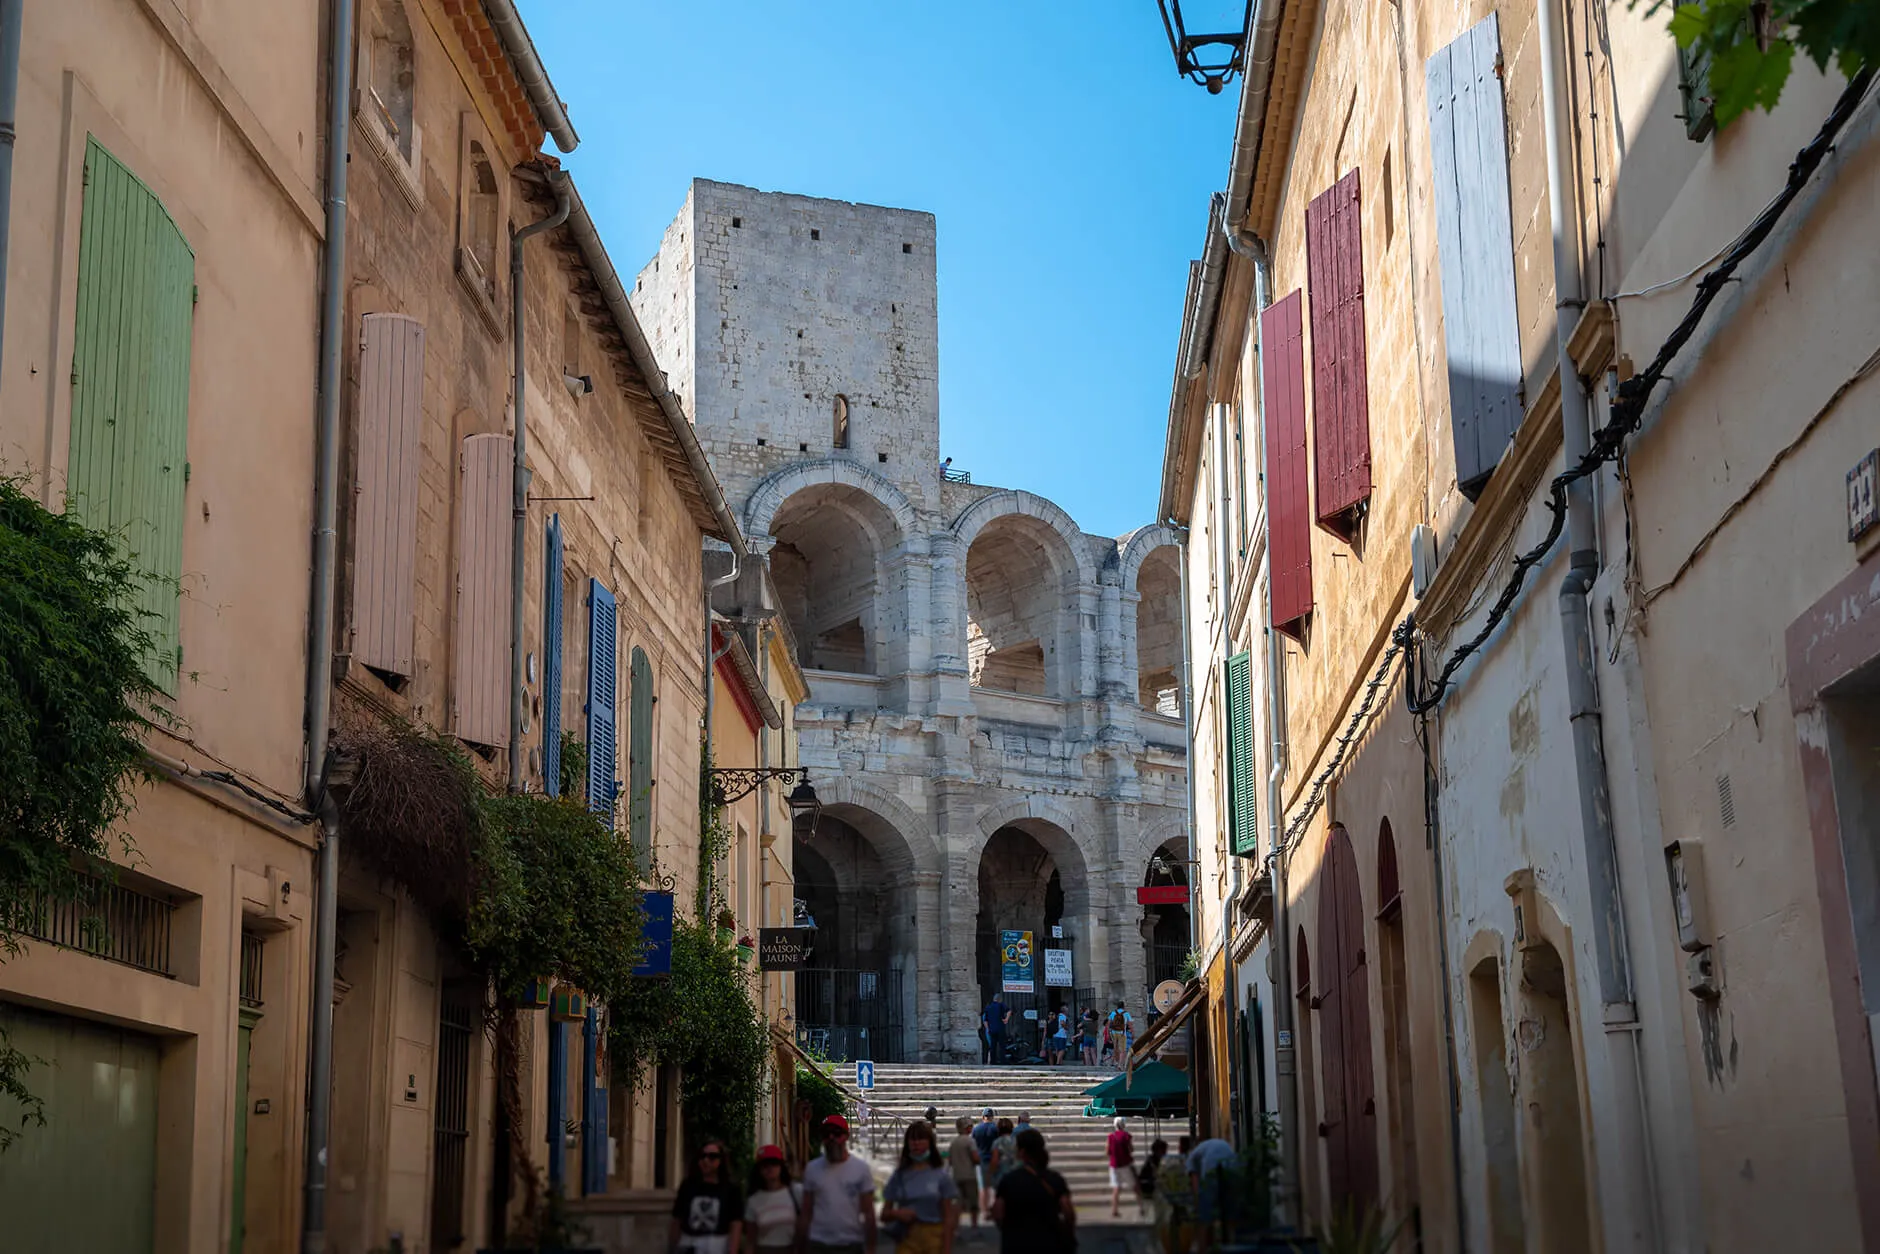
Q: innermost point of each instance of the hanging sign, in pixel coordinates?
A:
(656, 933)
(784, 948)
(1015, 963)
(1162, 895)
(1057, 968)
(1166, 994)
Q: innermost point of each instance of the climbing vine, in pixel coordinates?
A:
(75, 701)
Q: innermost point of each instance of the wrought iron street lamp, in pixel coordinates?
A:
(1224, 53)
(729, 783)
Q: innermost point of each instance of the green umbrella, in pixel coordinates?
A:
(1148, 1082)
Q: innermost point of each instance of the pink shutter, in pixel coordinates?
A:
(385, 492)
(1288, 516)
(483, 559)
(1341, 418)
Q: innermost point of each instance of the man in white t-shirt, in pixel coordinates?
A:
(838, 1197)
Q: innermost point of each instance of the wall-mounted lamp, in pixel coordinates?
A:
(1219, 68)
(578, 385)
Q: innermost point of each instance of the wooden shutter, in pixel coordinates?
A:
(130, 388)
(385, 499)
(1341, 420)
(1345, 1031)
(640, 755)
(483, 561)
(551, 659)
(602, 786)
(1700, 111)
(1289, 527)
(1475, 241)
(1243, 818)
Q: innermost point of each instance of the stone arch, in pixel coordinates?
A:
(1140, 543)
(769, 496)
(1053, 826)
(910, 849)
(974, 518)
(1151, 837)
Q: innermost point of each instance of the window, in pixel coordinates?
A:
(603, 786)
(481, 647)
(641, 699)
(130, 388)
(480, 239)
(1341, 422)
(482, 210)
(384, 99)
(385, 495)
(1289, 527)
(842, 422)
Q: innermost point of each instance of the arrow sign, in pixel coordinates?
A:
(864, 1074)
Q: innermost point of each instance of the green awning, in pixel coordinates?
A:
(1147, 1082)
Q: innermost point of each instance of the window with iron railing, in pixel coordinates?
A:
(252, 949)
(107, 920)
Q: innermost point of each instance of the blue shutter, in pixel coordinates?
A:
(593, 1109)
(640, 755)
(602, 786)
(1475, 240)
(551, 660)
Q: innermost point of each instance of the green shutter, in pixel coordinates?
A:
(130, 386)
(640, 754)
(1700, 117)
(1243, 817)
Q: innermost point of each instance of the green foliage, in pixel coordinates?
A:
(704, 1018)
(1191, 966)
(574, 765)
(1750, 45)
(1354, 1231)
(75, 700)
(817, 1086)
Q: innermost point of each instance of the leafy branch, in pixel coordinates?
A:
(1749, 46)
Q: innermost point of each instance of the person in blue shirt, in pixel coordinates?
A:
(995, 1016)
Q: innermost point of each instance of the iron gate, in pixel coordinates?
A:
(846, 1014)
(456, 1026)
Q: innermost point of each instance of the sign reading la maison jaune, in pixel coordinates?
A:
(784, 948)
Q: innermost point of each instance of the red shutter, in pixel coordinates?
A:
(1288, 517)
(483, 560)
(385, 500)
(1341, 416)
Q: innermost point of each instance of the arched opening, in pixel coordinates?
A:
(1551, 1093)
(1344, 1002)
(1399, 1074)
(390, 72)
(1031, 879)
(482, 210)
(1159, 632)
(1020, 609)
(1165, 926)
(1500, 1155)
(1311, 1164)
(827, 566)
(853, 886)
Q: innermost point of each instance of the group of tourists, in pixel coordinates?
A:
(1005, 1171)
(1097, 1038)
(1181, 1190)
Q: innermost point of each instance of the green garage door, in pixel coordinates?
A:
(87, 1179)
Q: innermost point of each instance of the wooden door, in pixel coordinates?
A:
(1349, 1124)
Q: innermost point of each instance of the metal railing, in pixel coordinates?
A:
(252, 950)
(956, 476)
(107, 920)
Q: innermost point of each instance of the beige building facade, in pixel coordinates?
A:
(1541, 906)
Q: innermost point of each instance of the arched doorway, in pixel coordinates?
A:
(1349, 1122)
(1550, 1083)
(1398, 1070)
(831, 583)
(1031, 879)
(854, 996)
(1166, 927)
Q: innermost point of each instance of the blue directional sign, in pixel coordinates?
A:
(864, 1074)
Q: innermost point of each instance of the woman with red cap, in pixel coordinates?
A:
(771, 1205)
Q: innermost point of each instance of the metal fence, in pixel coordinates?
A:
(108, 920)
(1165, 963)
(844, 1014)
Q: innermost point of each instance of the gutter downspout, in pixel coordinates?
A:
(320, 629)
(1619, 1017)
(1188, 819)
(534, 75)
(1236, 1080)
(518, 557)
(12, 18)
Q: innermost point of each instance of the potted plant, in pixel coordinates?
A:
(746, 948)
(727, 925)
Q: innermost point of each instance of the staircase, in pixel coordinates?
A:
(1053, 1095)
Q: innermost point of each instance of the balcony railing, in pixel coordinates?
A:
(108, 920)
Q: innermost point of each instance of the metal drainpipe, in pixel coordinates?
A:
(12, 17)
(711, 656)
(1619, 1016)
(320, 630)
(1190, 872)
(518, 554)
(1231, 984)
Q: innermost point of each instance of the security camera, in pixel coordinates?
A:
(578, 385)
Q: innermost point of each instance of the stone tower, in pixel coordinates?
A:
(994, 721)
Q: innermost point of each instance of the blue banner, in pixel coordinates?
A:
(656, 931)
(1015, 963)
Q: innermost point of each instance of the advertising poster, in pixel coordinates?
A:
(1015, 963)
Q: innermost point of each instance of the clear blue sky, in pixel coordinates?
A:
(1067, 164)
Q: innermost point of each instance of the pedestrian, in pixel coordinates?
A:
(1089, 1036)
(1121, 1029)
(1057, 1039)
(932, 1115)
(1150, 1169)
(1209, 1165)
(1174, 1198)
(1062, 1036)
(1004, 1159)
(1034, 1210)
(968, 1175)
(994, 1018)
(985, 1132)
(708, 1213)
(1023, 1122)
(771, 1204)
(1122, 1155)
(838, 1197)
(921, 1199)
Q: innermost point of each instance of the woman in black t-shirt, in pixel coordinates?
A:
(1033, 1208)
(708, 1214)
